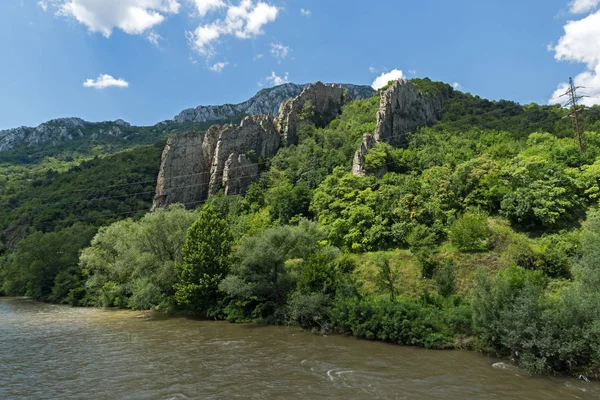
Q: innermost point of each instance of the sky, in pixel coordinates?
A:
(146, 60)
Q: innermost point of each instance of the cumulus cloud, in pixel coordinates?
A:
(277, 80)
(372, 70)
(131, 16)
(306, 13)
(105, 81)
(203, 7)
(280, 51)
(243, 21)
(581, 43)
(457, 86)
(383, 79)
(218, 67)
(583, 6)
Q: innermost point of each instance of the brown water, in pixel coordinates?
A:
(55, 352)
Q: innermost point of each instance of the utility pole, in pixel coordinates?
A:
(575, 110)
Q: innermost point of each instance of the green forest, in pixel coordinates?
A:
(481, 232)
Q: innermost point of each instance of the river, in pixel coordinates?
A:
(57, 352)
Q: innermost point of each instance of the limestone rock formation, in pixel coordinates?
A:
(183, 176)
(225, 157)
(239, 172)
(266, 101)
(324, 104)
(402, 109)
(255, 137)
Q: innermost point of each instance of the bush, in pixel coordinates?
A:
(470, 232)
(445, 279)
(310, 311)
(407, 321)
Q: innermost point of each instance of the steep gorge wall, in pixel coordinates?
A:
(402, 110)
(196, 165)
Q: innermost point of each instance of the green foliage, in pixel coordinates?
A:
(387, 278)
(422, 243)
(470, 232)
(132, 263)
(517, 313)
(206, 260)
(378, 158)
(427, 87)
(408, 321)
(96, 192)
(44, 265)
(445, 279)
(258, 284)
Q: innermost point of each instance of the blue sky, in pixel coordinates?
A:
(161, 56)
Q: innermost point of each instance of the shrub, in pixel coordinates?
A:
(470, 232)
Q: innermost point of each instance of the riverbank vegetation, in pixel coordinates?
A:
(482, 233)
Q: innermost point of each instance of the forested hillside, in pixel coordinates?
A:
(480, 231)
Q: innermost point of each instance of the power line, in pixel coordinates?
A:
(576, 110)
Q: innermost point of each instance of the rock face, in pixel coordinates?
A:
(267, 101)
(402, 109)
(225, 157)
(318, 105)
(195, 166)
(60, 130)
(255, 137)
(52, 131)
(184, 163)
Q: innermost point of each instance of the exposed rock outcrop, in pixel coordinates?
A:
(324, 104)
(402, 109)
(183, 175)
(267, 101)
(226, 157)
(255, 137)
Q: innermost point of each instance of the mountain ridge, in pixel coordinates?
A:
(61, 130)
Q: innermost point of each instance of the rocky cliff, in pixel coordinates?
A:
(402, 109)
(226, 158)
(318, 105)
(265, 102)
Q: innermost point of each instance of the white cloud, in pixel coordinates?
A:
(372, 70)
(243, 21)
(203, 7)
(277, 80)
(218, 67)
(154, 38)
(581, 44)
(105, 81)
(457, 86)
(304, 12)
(280, 51)
(412, 71)
(133, 17)
(583, 6)
(581, 41)
(590, 87)
(383, 79)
